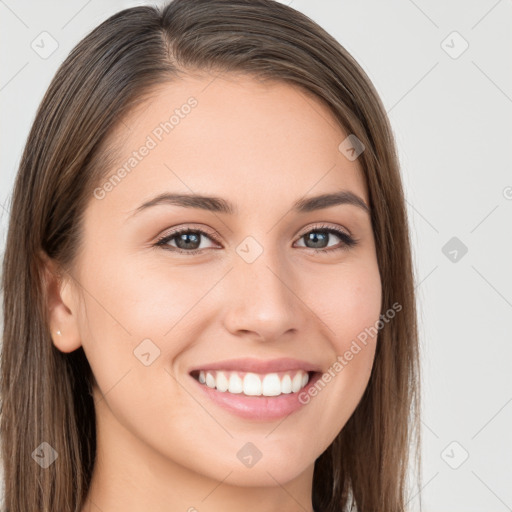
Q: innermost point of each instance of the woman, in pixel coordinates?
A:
(208, 289)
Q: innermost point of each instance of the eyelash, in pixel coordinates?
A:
(347, 240)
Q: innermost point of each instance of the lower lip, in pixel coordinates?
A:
(258, 407)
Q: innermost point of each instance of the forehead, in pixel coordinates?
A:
(230, 136)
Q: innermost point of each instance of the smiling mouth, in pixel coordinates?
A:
(254, 384)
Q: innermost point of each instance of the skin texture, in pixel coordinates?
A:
(162, 444)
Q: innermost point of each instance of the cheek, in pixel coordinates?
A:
(133, 300)
(355, 323)
(348, 301)
(135, 322)
(349, 309)
(139, 318)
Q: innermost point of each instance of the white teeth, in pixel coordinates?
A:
(210, 380)
(296, 382)
(222, 381)
(286, 384)
(252, 384)
(271, 385)
(235, 384)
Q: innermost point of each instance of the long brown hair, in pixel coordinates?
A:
(46, 394)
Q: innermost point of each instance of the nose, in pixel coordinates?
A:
(262, 304)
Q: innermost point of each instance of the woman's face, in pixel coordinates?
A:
(265, 295)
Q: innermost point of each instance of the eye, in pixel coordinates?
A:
(188, 240)
(318, 242)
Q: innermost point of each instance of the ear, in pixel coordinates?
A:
(62, 305)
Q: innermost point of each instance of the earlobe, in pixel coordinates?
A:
(62, 307)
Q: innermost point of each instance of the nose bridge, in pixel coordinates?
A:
(262, 292)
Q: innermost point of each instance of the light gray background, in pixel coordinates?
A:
(452, 117)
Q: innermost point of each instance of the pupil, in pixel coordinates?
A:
(314, 238)
(185, 237)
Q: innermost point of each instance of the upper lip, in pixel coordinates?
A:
(259, 365)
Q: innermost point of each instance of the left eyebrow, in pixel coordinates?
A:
(220, 205)
(309, 204)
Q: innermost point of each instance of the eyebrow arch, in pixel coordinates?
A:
(220, 205)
